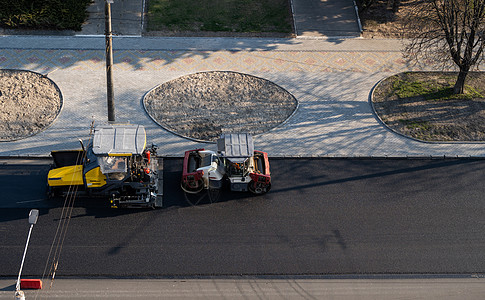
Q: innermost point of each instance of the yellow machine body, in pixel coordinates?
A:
(66, 176)
(94, 178)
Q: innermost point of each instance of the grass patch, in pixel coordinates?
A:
(431, 90)
(43, 14)
(416, 125)
(419, 129)
(219, 15)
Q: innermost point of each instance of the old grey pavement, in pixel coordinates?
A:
(365, 289)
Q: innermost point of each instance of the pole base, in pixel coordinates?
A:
(19, 295)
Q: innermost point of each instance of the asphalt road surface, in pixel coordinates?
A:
(322, 216)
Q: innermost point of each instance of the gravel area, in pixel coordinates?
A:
(201, 106)
(29, 103)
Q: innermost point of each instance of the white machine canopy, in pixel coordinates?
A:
(118, 140)
(236, 147)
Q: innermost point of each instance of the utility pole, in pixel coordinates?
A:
(109, 61)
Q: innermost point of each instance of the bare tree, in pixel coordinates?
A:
(449, 31)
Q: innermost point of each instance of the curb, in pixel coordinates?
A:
(281, 157)
(358, 18)
(349, 276)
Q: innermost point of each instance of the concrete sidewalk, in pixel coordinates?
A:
(127, 17)
(311, 18)
(325, 18)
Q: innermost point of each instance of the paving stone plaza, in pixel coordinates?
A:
(331, 77)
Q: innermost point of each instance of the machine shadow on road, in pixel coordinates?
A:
(18, 200)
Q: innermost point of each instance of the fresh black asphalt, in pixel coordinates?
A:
(322, 216)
